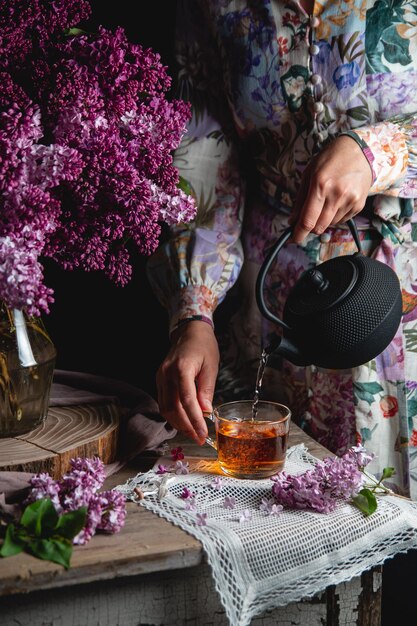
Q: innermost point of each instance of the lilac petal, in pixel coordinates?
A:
(201, 519)
(217, 483)
(229, 502)
(181, 468)
(246, 516)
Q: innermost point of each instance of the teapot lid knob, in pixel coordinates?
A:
(317, 281)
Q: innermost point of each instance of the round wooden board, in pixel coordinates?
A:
(83, 430)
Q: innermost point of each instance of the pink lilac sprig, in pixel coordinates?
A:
(106, 510)
(331, 479)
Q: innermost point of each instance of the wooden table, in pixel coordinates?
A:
(155, 573)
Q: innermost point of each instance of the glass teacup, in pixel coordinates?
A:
(248, 445)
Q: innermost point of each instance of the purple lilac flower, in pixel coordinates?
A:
(106, 511)
(217, 483)
(94, 513)
(229, 502)
(177, 454)
(190, 504)
(181, 467)
(79, 484)
(269, 506)
(113, 515)
(163, 469)
(361, 456)
(44, 486)
(245, 516)
(318, 488)
(201, 519)
(86, 169)
(186, 493)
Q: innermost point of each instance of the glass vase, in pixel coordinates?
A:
(27, 359)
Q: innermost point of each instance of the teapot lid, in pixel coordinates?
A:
(323, 287)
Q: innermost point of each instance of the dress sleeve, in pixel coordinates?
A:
(391, 149)
(193, 270)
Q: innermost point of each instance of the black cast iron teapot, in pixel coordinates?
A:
(340, 314)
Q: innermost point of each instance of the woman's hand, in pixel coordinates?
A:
(187, 378)
(334, 188)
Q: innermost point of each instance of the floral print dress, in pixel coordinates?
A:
(270, 86)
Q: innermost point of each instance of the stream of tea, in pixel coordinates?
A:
(259, 378)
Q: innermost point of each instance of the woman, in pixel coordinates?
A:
(302, 114)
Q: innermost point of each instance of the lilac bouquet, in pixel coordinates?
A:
(333, 478)
(61, 513)
(105, 510)
(86, 141)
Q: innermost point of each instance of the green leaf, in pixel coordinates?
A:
(374, 64)
(70, 524)
(365, 501)
(358, 113)
(396, 48)
(387, 472)
(367, 391)
(12, 543)
(69, 32)
(378, 19)
(185, 186)
(55, 550)
(39, 517)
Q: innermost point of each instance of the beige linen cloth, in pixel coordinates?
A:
(142, 427)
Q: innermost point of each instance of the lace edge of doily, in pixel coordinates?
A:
(248, 613)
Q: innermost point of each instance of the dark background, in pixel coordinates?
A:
(121, 332)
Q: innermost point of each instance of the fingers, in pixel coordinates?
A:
(177, 398)
(205, 386)
(326, 207)
(339, 180)
(187, 377)
(309, 215)
(346, 214)
(190, 405)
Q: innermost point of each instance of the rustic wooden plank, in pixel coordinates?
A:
(146, 543)
(85, 431)
(175, 598)
(370, 607)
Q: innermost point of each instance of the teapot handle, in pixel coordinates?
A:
(280, 243)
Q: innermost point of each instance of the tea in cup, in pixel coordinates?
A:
(250, 444)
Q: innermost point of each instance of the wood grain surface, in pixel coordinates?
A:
(72, 431)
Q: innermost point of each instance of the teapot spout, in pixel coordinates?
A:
(284, 347)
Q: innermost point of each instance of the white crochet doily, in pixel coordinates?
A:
(271, 560)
